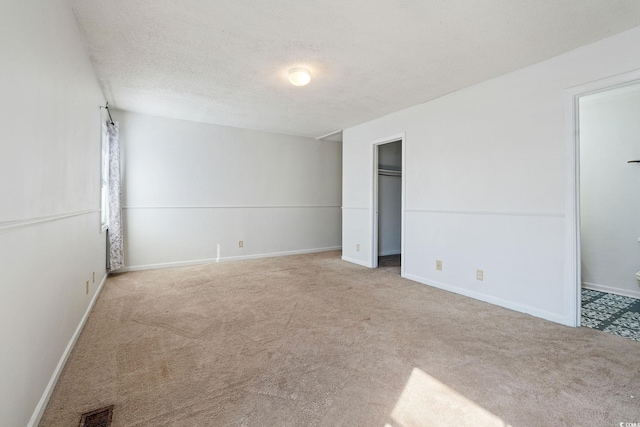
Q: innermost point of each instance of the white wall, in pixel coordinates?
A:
(50, 239)
(610, 190)
(191, 191)
(486, 171)
(389, 200)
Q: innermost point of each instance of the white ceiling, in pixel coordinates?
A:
(225, 62)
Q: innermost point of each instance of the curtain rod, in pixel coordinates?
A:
(106, 107)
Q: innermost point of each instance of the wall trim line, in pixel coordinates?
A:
(224, 259)
(9, 225)
(48, 391)
(231, 207)
(611, 290)
(501, 213)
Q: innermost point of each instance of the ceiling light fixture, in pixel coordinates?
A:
(299, 76)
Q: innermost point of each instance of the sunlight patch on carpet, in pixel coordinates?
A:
(425, 401)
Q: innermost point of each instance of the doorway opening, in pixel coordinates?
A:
(607, 208)
(388, 205)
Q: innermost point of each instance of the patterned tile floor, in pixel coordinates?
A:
(611, 313)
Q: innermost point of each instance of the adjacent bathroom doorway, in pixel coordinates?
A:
(609, 209)
(388, 205)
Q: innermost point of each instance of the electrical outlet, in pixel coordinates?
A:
(87, 288)
(241, 244)
(479, 275)
(358, 247)
(438, 265)
(94, 277)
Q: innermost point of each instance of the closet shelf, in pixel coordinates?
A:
(389, 172)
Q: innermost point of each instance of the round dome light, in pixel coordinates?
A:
(299, 76)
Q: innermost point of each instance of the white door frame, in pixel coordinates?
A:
(572, 220)
(374, 197)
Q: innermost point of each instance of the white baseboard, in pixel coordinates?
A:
(356, 261)
(611, 290)
(224, 259)
(387, 253)
(42, 404)
(557, 318)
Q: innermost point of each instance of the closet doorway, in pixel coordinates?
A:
(388, 205)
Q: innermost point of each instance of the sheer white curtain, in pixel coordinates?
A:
(115, 241)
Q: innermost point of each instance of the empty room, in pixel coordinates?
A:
(342, 213)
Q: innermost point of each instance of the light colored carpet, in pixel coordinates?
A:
(311, 340)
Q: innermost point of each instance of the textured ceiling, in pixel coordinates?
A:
(225, 62)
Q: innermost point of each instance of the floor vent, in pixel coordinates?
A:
(98, 418)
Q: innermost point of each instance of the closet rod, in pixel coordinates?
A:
(106, 107)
